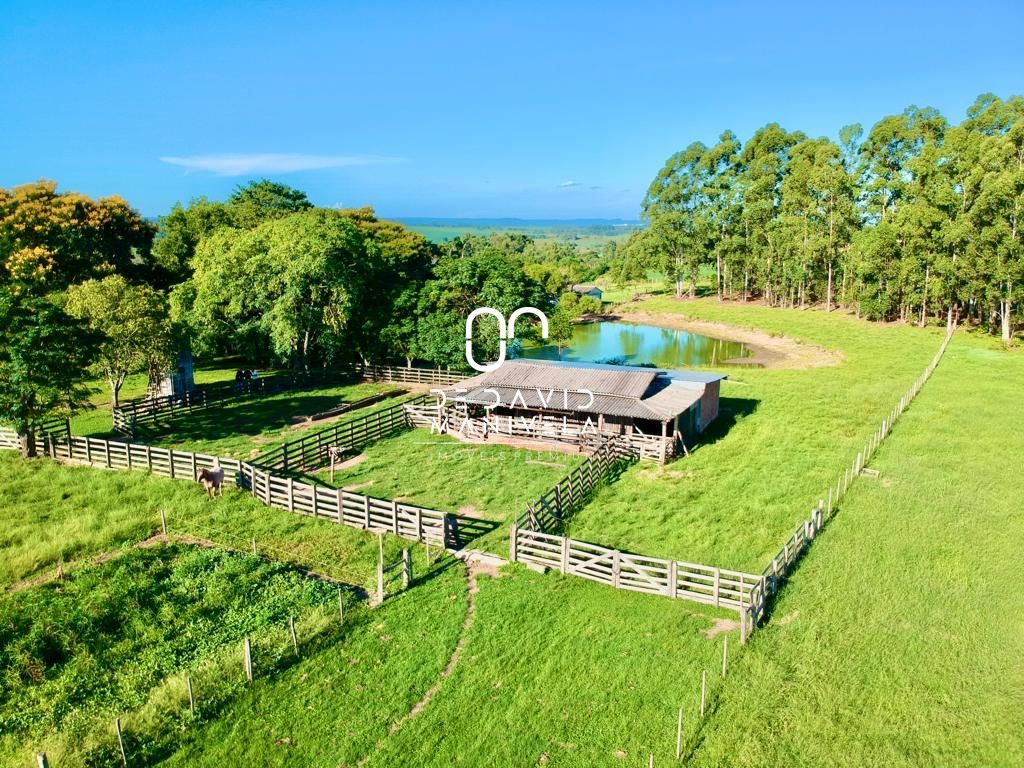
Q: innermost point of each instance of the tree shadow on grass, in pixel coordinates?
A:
(247, 418)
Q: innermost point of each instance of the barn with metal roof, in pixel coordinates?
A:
(669, 405)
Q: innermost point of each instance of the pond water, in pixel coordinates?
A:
(634, 344)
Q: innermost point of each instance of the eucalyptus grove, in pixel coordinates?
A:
(917, 220)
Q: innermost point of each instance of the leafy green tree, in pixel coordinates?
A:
(571, 307)
(461, 284)
(134, 323)
(43, 362)
(677, 209)
(292, 284)
(262, 200)
(180, 233)
(51, 239)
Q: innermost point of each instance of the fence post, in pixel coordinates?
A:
(673, 578)
(703, 690)
(41, 760)
(616, 568)
(513, 546)
(679, 735)
(295, 639)
(191, 697)
(717, 587)
(565, 555)
(120, 740)
(406, 568)
(247, 659)
(380, 567)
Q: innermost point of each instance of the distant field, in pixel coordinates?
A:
(586, 233)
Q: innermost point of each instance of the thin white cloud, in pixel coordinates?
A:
(246, 164)
(569, 183)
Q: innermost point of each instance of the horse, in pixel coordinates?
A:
(212, 480)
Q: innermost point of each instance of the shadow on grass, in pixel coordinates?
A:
(730, 411)
(248, 418)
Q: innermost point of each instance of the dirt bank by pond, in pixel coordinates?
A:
(766, 351)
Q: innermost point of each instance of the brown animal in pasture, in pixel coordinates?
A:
(212, 480)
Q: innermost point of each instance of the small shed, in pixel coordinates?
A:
(587, 290)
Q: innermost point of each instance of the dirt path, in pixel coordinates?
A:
(767, 351)
(474, 567)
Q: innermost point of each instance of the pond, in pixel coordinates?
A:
(634, 344)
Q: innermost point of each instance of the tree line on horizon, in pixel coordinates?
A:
(919, 219)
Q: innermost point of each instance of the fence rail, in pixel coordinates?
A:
(538, 427)
(312, 451)
(131, 414)
(570, 493)
(9, 439)
(413, 375)
(676, 579)
(353, 509)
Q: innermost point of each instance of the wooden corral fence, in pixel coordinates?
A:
(796, 545)
(413, 375)
(540, 427)
(9, 439)
(312, 450)
(353, 509)
(744, 592)
(116, 454)
(610, 456)
(148, 411)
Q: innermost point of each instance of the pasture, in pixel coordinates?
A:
(511, 667)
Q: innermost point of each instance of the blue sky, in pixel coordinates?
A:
(544, 110)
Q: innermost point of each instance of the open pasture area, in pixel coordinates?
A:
(491, 481)
(54, 516)
(782, 436)
(108, 638)
(593, 676)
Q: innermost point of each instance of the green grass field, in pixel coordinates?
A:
(898, 640)
(77, 652)
(782, 436)
(490, 481)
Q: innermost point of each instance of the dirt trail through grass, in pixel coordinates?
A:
(473, 569)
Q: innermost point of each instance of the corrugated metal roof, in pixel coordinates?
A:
(628, 391)
(614, 380)
(562, 401)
